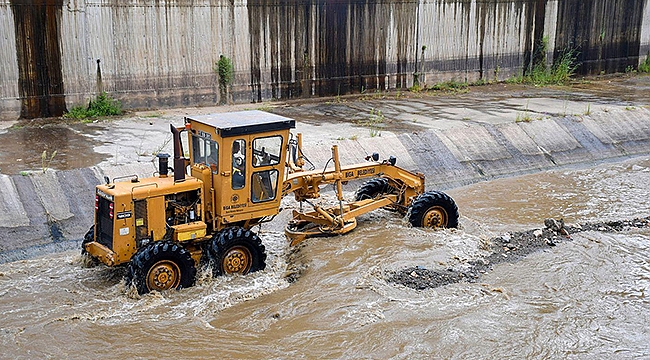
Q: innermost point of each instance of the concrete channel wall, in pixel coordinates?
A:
(41, 212)
(55, 54)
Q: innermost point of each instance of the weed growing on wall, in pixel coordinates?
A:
(644, 67)
(103, 105)
(564, 68)
(226, 73)
(560, 73)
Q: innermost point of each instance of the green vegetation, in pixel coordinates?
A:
(45, 161)
(451, 86)
(644, 67)
(265, 107)
(480, 82)
(153, 115)
(103, 105)
(375, 95)
(416, 88)
(375, 122)
(558, 74)
(226, 73)
(525, 117)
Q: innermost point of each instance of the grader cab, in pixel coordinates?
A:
(237, 168)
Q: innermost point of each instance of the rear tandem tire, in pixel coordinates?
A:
(88, 238)
(373, 188)
(160, 266)
(236, 250)
(86, 259)
(434, 209)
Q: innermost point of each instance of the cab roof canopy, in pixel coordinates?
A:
(244, 122)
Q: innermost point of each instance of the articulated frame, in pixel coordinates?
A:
(342, 219)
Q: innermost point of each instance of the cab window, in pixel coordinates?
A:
(264, 186)
(205, 151)
(238, 164)
(198, 150)
(212, 154)
(266, 151)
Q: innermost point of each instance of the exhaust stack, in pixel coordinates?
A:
(179, 162)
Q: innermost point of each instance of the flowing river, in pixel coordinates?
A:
(584, 298)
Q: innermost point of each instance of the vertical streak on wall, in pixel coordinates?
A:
(540, 46)
(9, 93)
(526, 11)
(255, 18)
(480, 32)
(550, 28)
(606, 33)
(332, 48)
(468, 16)
(405, 12)
(279, 29)
(644, 47)
(39, 57)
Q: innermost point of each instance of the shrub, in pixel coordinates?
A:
(226, 73)
(103, 105)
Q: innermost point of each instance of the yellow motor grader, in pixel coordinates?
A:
(237, 168)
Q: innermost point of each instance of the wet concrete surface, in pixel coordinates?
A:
(23, 143)
(454, 138)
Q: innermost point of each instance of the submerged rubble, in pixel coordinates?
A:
(507, 248)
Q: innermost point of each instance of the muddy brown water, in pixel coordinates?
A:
(585, 298)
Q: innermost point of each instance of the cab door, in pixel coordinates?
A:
(267, 170)
(235, 177)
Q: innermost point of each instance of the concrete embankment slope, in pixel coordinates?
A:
(41, 211)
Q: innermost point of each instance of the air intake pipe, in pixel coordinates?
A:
(163, 166)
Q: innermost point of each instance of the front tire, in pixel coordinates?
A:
(236, 250)
(160, 266)
(434, 209)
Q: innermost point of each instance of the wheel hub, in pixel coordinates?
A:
(238, 260)
(163, 275)
(435, 217)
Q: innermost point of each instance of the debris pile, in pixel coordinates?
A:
(509, 247)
